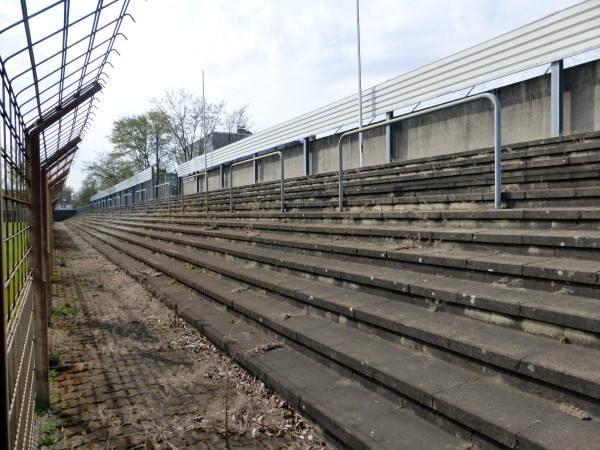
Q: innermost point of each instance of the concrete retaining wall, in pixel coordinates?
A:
(525, 116)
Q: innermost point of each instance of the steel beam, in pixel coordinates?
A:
(62, 110)
(47, 240)
(4, 402)
(389, 138)
(39, 283)
(64, 152)
(556, 98)
(255, 168)
(305, 155)
(60, 176)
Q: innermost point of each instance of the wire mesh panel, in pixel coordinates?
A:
(53, 56)
(17, 311)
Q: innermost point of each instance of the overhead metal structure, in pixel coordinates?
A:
(53, 60)
(572, 31)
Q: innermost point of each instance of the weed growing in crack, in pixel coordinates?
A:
(243, 288)
(470, 446)
(561, 290)
(508, 282)
(434, 304)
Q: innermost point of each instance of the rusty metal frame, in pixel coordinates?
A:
(55, 65)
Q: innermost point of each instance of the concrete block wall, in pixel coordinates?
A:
(582, 98)
(525, 117)
(242, 175)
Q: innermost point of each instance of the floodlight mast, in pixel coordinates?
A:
(360, 109)
(204, 141)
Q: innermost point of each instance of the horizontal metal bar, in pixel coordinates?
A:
(497, 140)
(196, 175)
(64, 152)
(280, 154)
(63, 110)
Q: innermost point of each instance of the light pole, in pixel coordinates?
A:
(360, 111)
(204, 141)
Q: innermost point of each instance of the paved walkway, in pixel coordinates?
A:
(126, 373)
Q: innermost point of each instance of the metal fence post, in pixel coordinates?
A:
(39, 288)
(4, 389)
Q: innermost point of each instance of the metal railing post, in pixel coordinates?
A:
(278, 153)
(127, 195)
(196, 175)
(497, 140)
(168, 195)
(143, 198)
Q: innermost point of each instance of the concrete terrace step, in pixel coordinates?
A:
(266, 283)
(539, 219)
(578, 164)
(483, 265)
(350, 413)
(506, 415)
(478, 161)
(421, 183)
(566, 243)
(389, 198)
(578, 313)
(423, 180)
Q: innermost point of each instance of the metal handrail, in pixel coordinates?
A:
(497, 140)
(144, 199)
(196, 175)
(168, 195)
(280, 154)
(126, 195)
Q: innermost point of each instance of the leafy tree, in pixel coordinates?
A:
(109, 169)
(183, 113)
(87, 189)
(144, 140)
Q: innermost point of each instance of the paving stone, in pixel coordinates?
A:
(116, 410)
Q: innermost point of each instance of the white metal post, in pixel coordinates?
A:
(360, 109)
(204, 142)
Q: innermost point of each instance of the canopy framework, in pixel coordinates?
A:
(54, 55)
(55, 52)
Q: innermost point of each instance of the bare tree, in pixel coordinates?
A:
(235, 121)
(183, 114)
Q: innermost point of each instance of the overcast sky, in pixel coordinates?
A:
(285, 57)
